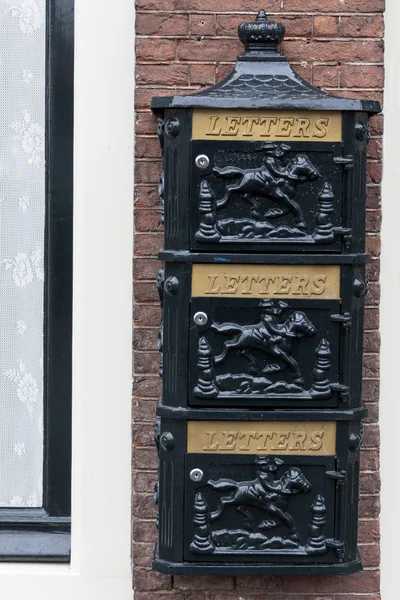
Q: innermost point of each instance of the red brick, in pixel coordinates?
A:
(146, 123)
(147, 196)
(155, 50)
(371, 366)
(148, 171)
(371, 436)
(369, 507)
(376, 124)
(143, 386)
(202, 74)
(150, 580)
(145, 410)
(335, 5)
(146, 362)
(223, 71)
(162, 24)
(145, 339)
(230, 6)
(372, 341)
(304, 70)
(155, 4)
(373, 244)
(208, 49)
(201, 582)
(143, 553)
(146, 268)
(362, 26)
(144, 531)
(370, 555)
(361, 76)
(370, 483)
(373, 221)
(145, 458)
(143, 506)
(162, 74)
(371, 318)
(326, 26)
(368, 531)
(373, 414)
(373, 270)
(370, 391)
(326, 76)
(202, 24)
(148, 220)
(147, 315)
(373, 197)
(367, 581)
(369, 460)
(147, 148)
(375, 148)
(143, 482)
(160, 596)
(334, 50)
(148, 243)
(264, 584)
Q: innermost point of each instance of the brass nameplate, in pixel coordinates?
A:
(295, 126)
(266, 281)
(309, 438)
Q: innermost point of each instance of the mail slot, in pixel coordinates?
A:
(261, 339)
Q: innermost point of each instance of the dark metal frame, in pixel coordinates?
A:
(44, 534)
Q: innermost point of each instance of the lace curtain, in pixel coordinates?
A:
(22, 212)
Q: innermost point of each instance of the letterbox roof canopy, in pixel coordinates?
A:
(263, 79)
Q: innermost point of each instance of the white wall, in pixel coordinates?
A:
(390, 311)
(102, 370)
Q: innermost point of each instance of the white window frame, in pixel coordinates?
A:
(102, 346)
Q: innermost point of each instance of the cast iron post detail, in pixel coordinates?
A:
(205, 386)
(324, 233)
(316, 539)
(207, 231)
(201, 540)
(321, 386)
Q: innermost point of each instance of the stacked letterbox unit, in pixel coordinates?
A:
(261, 340)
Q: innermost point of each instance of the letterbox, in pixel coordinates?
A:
(261, 340)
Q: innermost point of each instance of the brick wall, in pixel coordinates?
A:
(181, 46)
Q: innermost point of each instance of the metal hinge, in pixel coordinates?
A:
(345, 161)
(343, 391)
(347, 234)
(339, 476)
(338, 546)
(344, 319)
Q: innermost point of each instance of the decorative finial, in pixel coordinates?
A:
(261, 35)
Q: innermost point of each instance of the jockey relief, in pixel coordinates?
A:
(267, 346)
(264, 195)
(271, 527)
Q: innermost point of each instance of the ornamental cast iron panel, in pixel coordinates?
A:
(269, 196)
(278, 507)
(256, 352)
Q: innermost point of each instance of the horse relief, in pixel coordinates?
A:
(270, 192)
(267, 349)
(271, 527)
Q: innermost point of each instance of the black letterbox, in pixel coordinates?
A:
(261, 339)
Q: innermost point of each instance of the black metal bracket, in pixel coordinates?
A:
(344, 319)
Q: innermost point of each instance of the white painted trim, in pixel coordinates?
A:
(102, 355)
(390, 305)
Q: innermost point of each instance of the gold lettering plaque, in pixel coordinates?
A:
(295, 126)
(308, 438)
(266, 281)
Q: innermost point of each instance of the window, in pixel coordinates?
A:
(36, 130)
